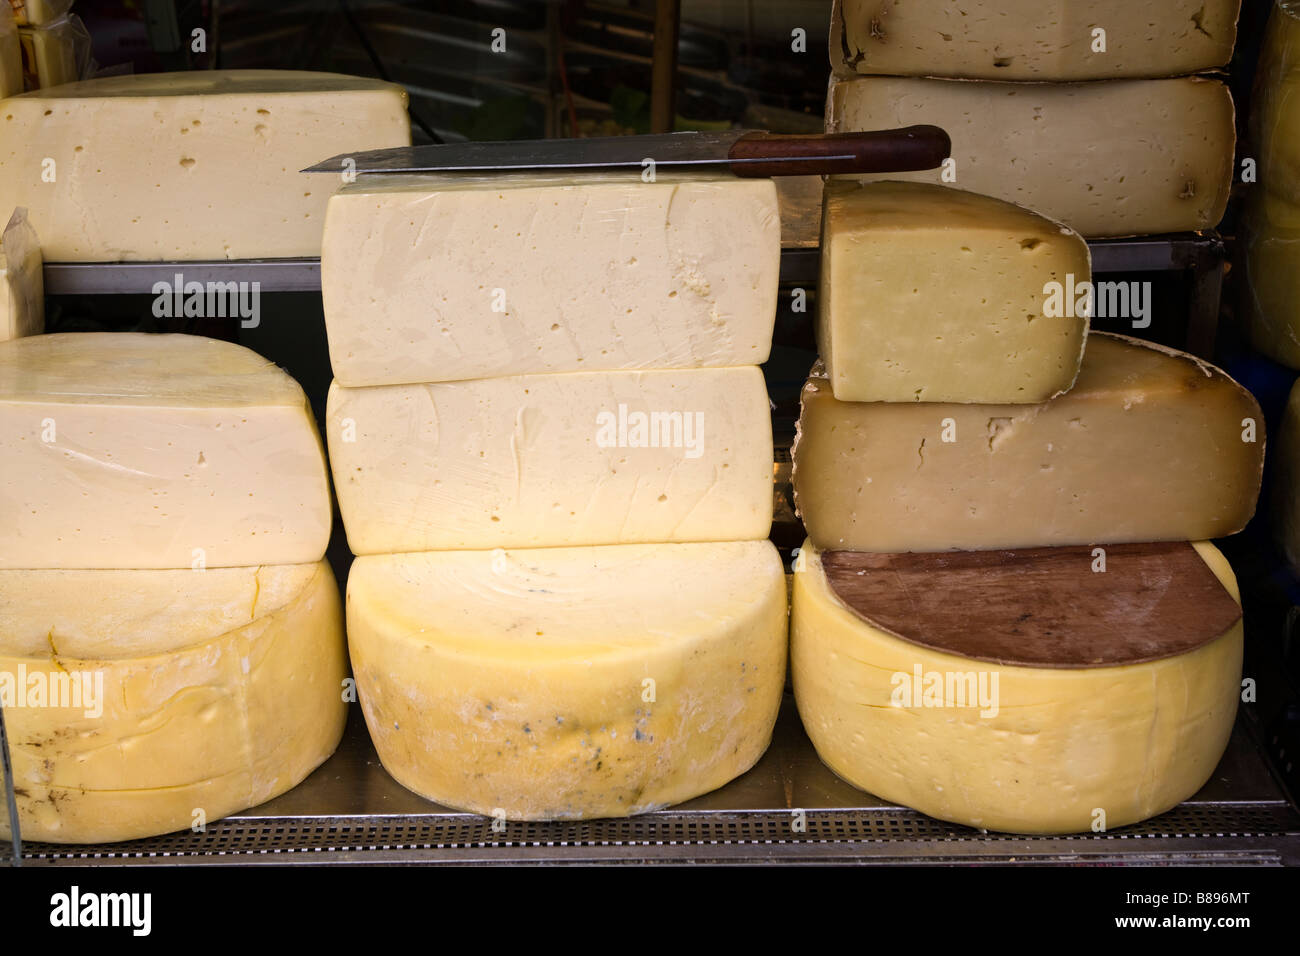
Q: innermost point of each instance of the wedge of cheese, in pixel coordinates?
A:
(11, 56)
(1032, 39)
(582, 458)
(938, 295)
(142, 702)
(129, 450)
(22, 280)
(569, 682)
(181, 166)
(1270, 292)
(519, 274)
(1150, 445)
(1020, 691)
(1275, 110)
(1116, 158)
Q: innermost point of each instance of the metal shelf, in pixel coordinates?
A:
(351, 811)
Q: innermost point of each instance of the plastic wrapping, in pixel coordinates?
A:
(1275, 117)
(22, 292)
(11, 57)
(35, 13)
(55, 54)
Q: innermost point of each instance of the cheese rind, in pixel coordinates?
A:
(1149, 445)
(569, 682)
(129, 450)
(1079, 153)
(487, 276)
(1270, 292)
(22, 280)
(219, 178)
(1032, 39)
(938, 295)
(1131, 740)
(552, 460)
(216, 692)
(1275, 110)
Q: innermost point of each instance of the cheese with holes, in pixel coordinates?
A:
(129, 450)
(22, 282)
(1285, 479)
(178, 694)
(1270, 292)
(1114, 158)
(1275, 110)
(11, 57)
(546, 460)
(185, 166)
(1111, 710)
(1032, 39)
(527, 273)
(1150, 445)
(569, 682)
(938, 295)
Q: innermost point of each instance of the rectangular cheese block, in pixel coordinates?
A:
(1032, 39)
(134, 698)
(38, 12)
(1275, 104)
(930, 294)
(130, 450)
(567, 683)
(1112, 158)
(54, 54)
(22, 280)
(548, 460)
(184, 166)
(519, 274)
(1270, 290)
(11, 57)
(1149, 445)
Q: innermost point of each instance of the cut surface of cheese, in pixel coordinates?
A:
(486, 276)
(569, 682)
(581, 458)
(1150, 445)
(1079, 153)
(11, 57)
(1129, 727)
(1286, 482)
(1032, 39)
(1270, 238)
(930, 294)
(176, 692)
(219, 178)
(129, 450)
(22, 280)
(1275, 110)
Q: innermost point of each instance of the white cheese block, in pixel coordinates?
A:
(569, 682)
(22, 280)
(129, 450)
(185, 166)
(39, 12)
(194, 693)
(926, 291)
(582, 458)
(1113, 158)
(11, 57)
(54, 54)
(1032, 39)
(1286, 483)
(1015, 747)
(526, 273)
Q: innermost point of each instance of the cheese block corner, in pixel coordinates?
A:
(569, 683)
(22, 280)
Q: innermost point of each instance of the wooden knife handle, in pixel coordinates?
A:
(821, 154)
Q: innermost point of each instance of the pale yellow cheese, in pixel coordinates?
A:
(1032, 39)
(129, 450)
(11, 57)
(1131, 741)
(198, 165)
(1150, 445)
(39, 12)
(582, 458)
(1270, 290)
(1275, 105)
(22, 280)
(54, 54)
(487, 276)
(938, 295)
(201, 694)
(1285, 477)
(569, 682)
(1112, 158)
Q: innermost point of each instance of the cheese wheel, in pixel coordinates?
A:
(11, 57)
(569, 682)
(1286, 482)
(181, 696)
(1058, 746)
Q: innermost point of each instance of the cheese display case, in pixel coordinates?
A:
(444, 433)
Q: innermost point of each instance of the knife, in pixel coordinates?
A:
(745, 152)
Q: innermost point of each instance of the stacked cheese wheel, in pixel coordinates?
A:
(1085, 111)
(553, 457)
(171, 641)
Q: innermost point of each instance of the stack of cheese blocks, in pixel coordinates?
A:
(1007, 613)
(53, 46)
(171, 642)
(1083, 110)
(552, 452)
